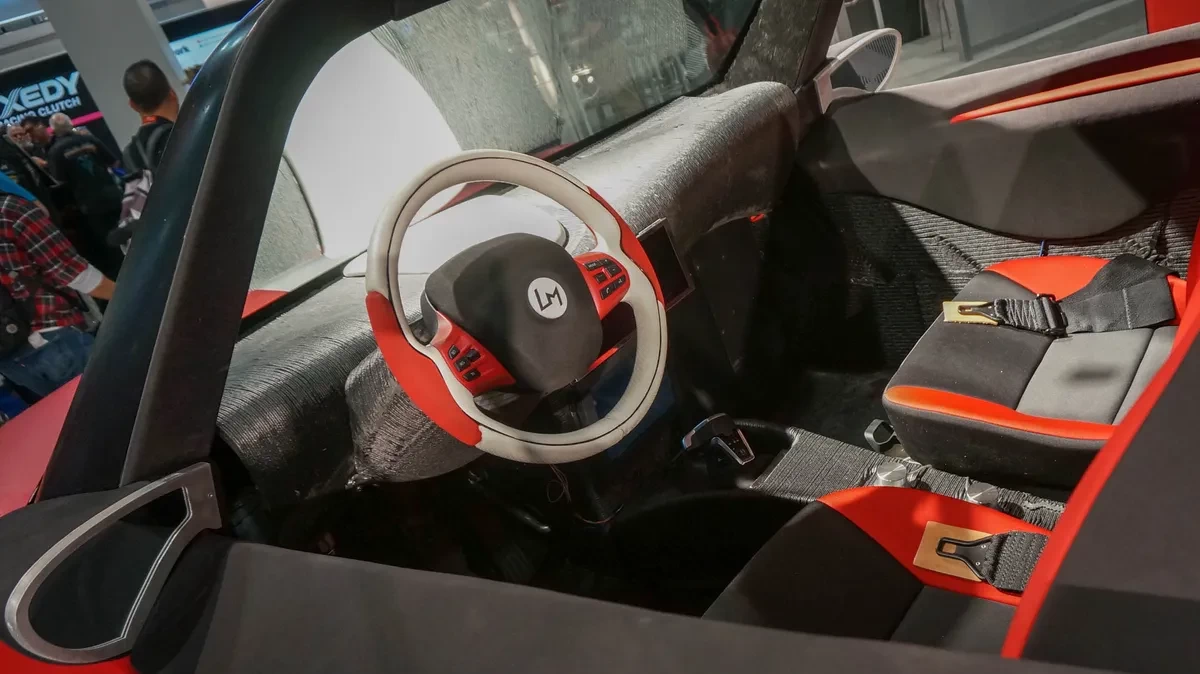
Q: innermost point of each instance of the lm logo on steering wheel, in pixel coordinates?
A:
(547, 297)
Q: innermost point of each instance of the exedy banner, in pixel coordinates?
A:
(60, 94)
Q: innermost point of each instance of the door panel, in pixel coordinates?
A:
(1061, 170)
(923, 203)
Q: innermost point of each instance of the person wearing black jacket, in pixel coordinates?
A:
(32, 174)
(38, 132)
(82, 163)
(151, 96)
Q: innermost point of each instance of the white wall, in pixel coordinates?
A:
(363, 129)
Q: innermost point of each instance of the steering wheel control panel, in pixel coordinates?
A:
(473, 365)
(607, 280)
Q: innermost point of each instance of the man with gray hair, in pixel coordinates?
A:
(82, 163)
(61, 125)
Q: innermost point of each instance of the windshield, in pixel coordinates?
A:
(533, 76)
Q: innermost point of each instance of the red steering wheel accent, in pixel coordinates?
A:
(606, 279)
(425, 386)
(474, 366)
(632, 246)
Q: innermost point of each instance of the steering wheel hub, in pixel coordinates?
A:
(547, 297)
(523, 298)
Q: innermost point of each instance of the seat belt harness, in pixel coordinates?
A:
(1004, 561)
(1126, 293)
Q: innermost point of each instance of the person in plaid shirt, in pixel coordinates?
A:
(42, 271)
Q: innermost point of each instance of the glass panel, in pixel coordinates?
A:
(532, 76)
(538, 75)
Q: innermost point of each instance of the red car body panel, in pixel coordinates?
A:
(26, 444)
(27, 441)
(15, 663)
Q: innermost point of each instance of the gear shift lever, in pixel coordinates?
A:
(720, 431)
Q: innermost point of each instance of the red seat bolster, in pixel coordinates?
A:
(985, 411)
(896, 517)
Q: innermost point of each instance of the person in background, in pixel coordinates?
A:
(39, 137)
(28, 172)
(61, 126)
(82, 164)
(17, 136)
(151, 96)
(40, 271)
(11, 403)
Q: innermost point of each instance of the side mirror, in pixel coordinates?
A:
(859, 65)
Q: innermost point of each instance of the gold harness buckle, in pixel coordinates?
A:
(954, 313)
(936, 554)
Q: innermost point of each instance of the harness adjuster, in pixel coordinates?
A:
(1049, 321)
(969, 312)
(975, 554)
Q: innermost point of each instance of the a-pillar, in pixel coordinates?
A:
(103, 37)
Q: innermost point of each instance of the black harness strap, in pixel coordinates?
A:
(1005, 561)
(1128, 292)
(1041, 314)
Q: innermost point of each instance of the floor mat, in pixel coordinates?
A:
(837, 405)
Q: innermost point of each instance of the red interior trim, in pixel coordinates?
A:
(984, 411)
(1092, 482)
(1063, 275)
(1058, 275)
(1166, 14)
(604, 304)
(15, 662)
(490, 373)
(257, 300)
(1089, 487)
(895, 518)
(418, 375)
(1179, 296)
(612, 351)
(1133, 78)
(632, 246)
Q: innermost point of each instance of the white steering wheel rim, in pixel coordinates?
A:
(649, 314)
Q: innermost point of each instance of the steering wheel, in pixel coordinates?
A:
(516, 311)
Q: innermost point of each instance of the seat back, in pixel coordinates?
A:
(1169, 394)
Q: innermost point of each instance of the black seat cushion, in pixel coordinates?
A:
(823, 574)
(233, 607)
(1017, 407)
(820, 574)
